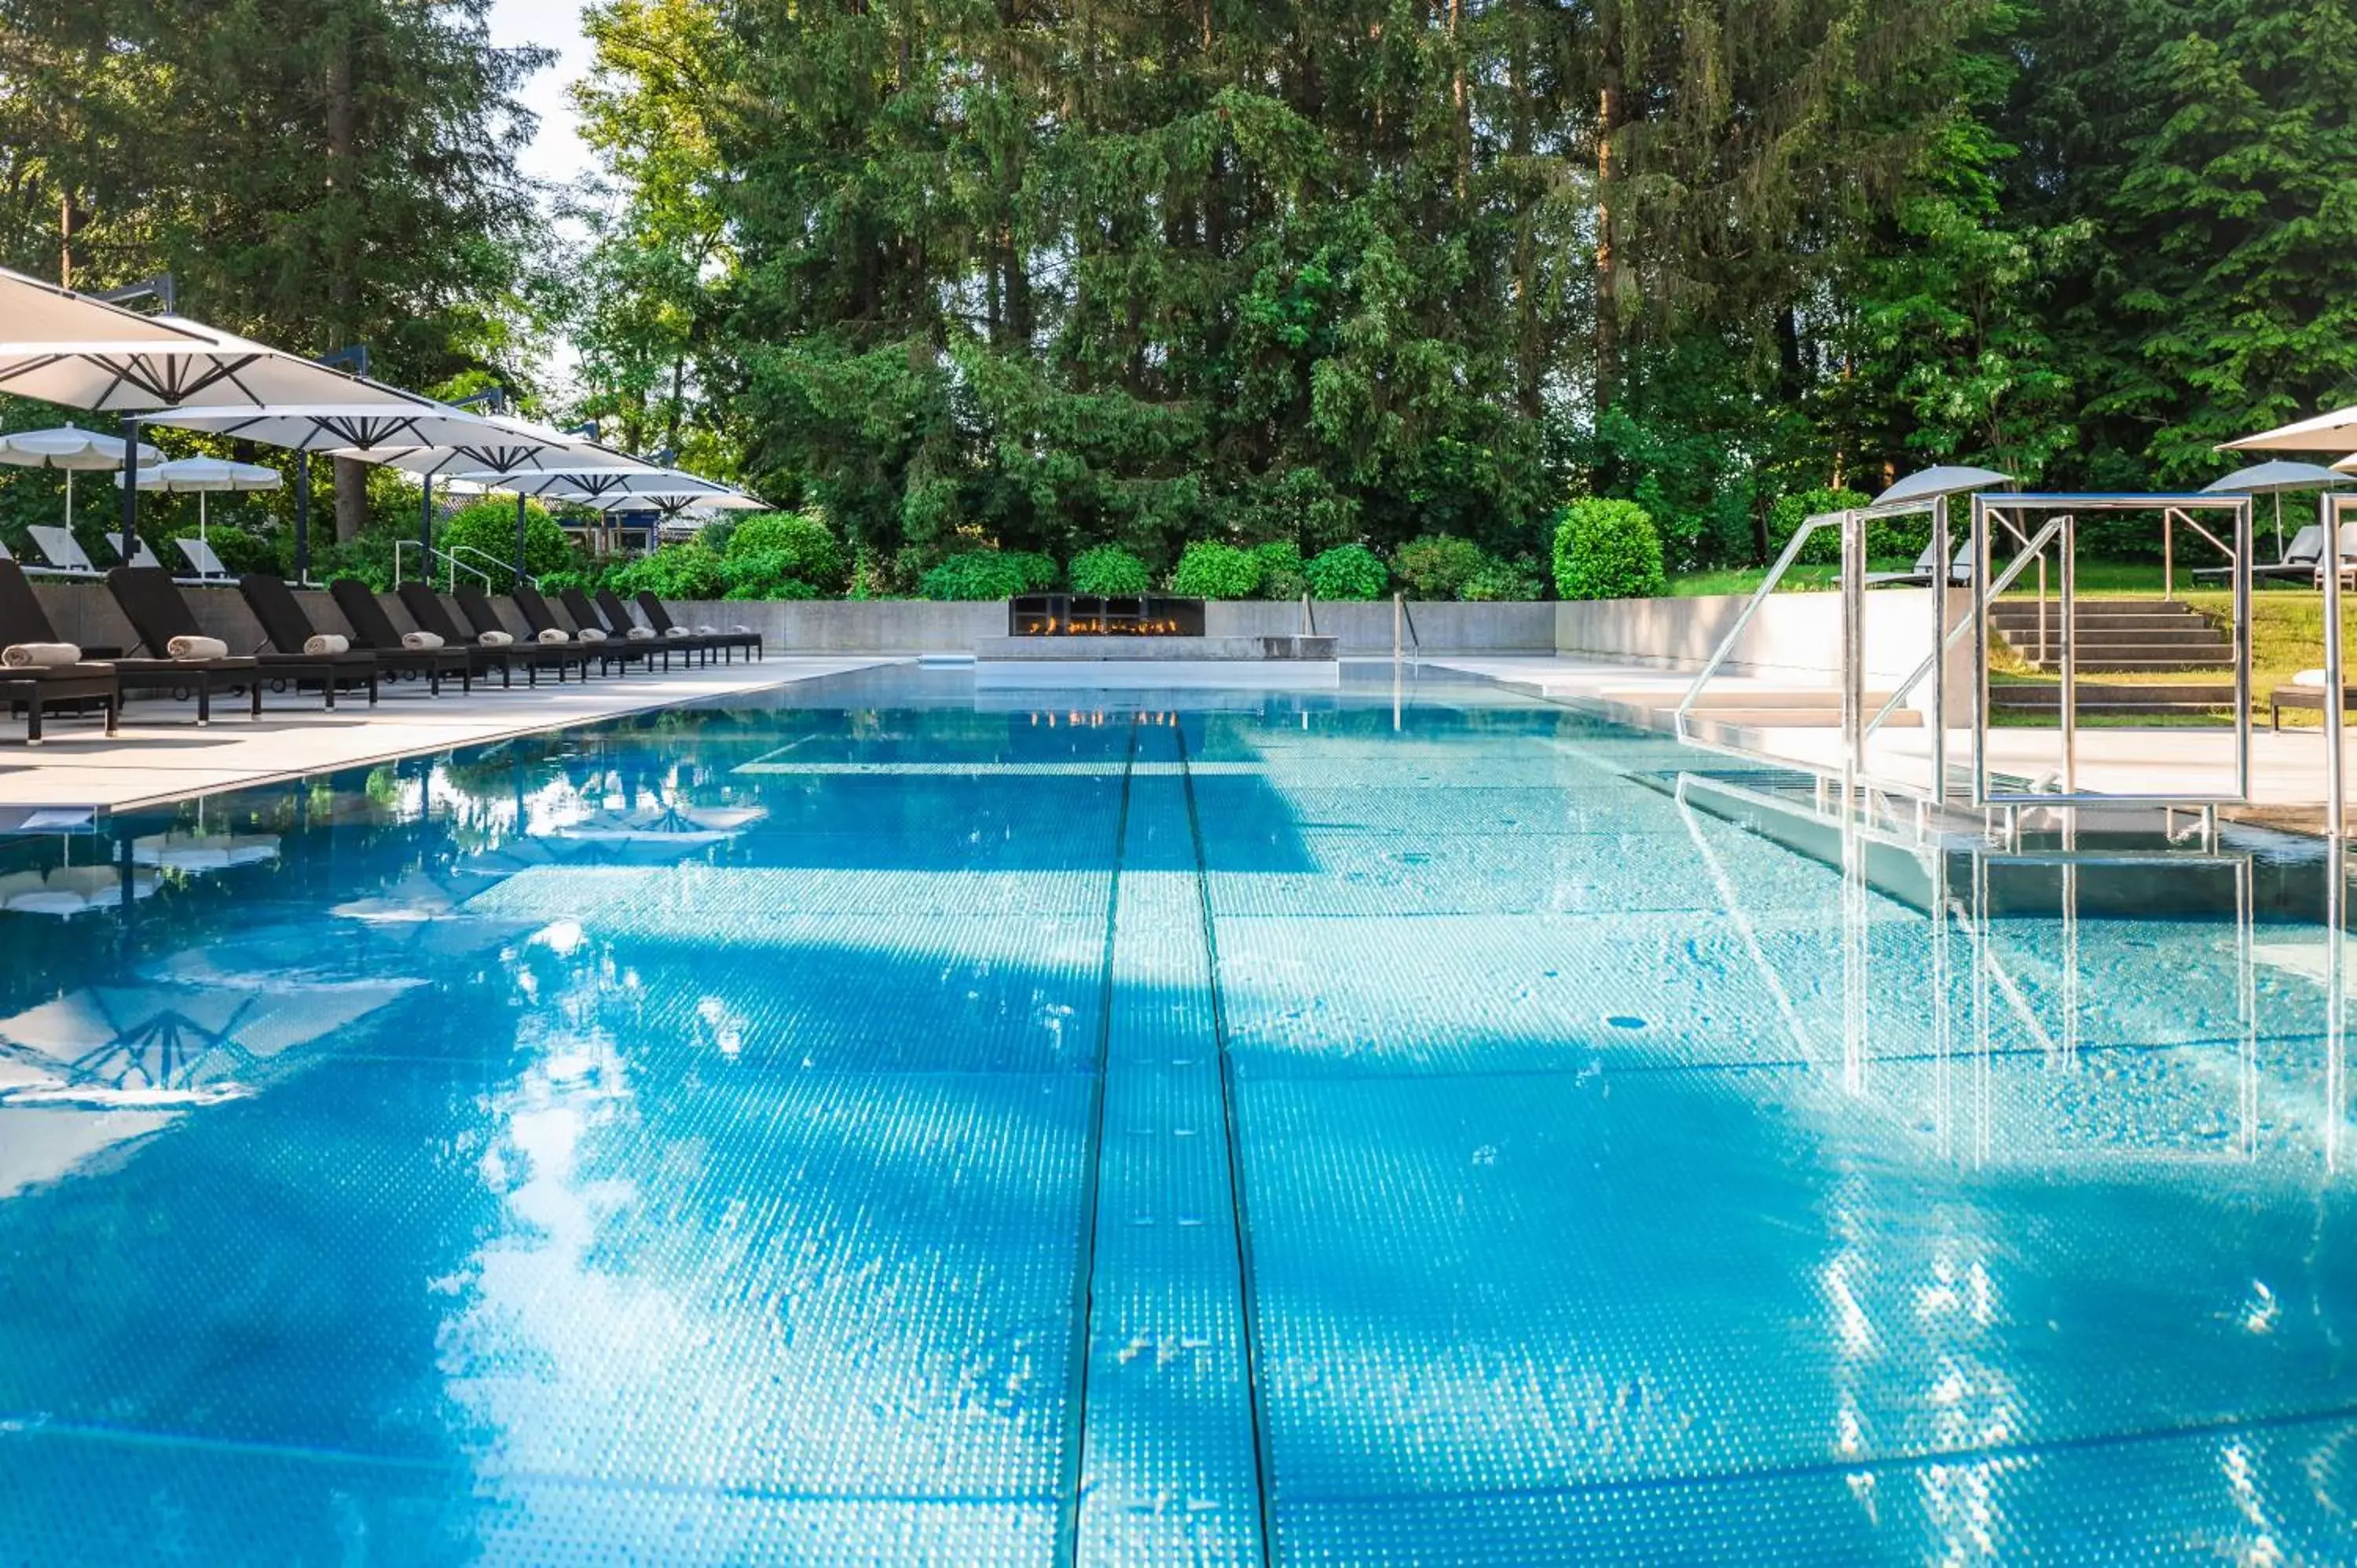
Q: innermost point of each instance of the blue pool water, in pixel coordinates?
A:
(881, 1124)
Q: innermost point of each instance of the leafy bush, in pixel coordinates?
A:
(1040, 572)
(490, 526)
(1282, 574)
(980, 575)
(1499, 581)
(1348, 572)
(764, 574)
(1209, 569)
(812, 553)
(555, 583)
(1823, 548)
(673, 572)
(239, 550)
(775, 589)
(1111, 571)
(1437, 567)
(1607, 550)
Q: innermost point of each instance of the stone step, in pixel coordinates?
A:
(2165, 664)
(2098, 610)
(2143, 625)
(2024, 699)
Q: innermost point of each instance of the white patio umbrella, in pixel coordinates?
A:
(206, 477)
(2274, 480)
(2335, 432)
(70, 449)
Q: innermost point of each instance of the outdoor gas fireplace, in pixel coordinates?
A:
(1087, 615)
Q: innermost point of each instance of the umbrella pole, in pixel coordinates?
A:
(130, 485)
(201, 519)
(69, 500)
(303, 516)
(522, 536)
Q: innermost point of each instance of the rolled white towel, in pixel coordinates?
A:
(495, 639)
(197, 648)
(2312, 679)
(705, 631)
(590, 634)
(677, 631)
(639, 634)
(552, 634)
(327, 643)
(39, 655)
(419, 641)
(746, 630)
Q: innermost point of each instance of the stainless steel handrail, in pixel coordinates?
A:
(401, 548)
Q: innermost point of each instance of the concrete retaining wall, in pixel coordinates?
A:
(1795, 638)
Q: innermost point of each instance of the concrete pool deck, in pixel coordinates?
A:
(161, 756)
(2287, 769)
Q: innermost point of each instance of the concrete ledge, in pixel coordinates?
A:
(1155, 649)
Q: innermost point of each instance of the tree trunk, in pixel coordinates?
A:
(1608, 261)
(350, 473)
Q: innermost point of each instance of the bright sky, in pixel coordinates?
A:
(557, 154)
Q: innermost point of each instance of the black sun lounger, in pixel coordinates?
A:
(374, 629)
(728, 642)
(484, 616)
(540, 617)
(583, 612)
(426, 609)
(618, 614)
(156, 618)
(37, 689)
(289, 630)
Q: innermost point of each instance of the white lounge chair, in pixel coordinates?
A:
(61, 552)
(141, 556)
(201, 558)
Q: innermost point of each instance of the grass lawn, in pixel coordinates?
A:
(2287, 627)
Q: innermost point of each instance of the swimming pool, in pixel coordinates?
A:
(886, 1123)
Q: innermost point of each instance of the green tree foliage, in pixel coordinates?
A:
(316, 173)
(1607, 550)
(1348, 572)
(1110, 571)
(1210, 570)
(1785, 520)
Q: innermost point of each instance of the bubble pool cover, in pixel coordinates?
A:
(867, 1126)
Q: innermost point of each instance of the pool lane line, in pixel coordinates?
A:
(1076, 1421)
(1261, 1470)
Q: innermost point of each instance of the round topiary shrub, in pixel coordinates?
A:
(1437, 567)
(1282, 573)
(488, 531)
(1210, 570)
(1607, 550)
(1110, 571)
(978, 575)
(1348, 572)
(810, 550)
